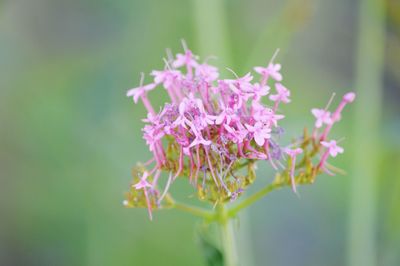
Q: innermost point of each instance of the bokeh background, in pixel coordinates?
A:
(69, 136)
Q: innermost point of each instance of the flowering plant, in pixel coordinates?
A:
(214, 131)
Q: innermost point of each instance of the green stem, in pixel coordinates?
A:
(253, 198)
(362, 244)
(227, 236)
(207, 215)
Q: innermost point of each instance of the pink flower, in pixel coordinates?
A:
(293, 152)
(260, 132)
(349, 97)
(226, 116)
(322, 116)
(266, 115)
(140, 91)
(333, 148)
(210, 128)
(187, 59)
(259, 91)
(236, 135)
(241, 85)
(167, 77)
(282, 95)
(142, 184)
(271, 71)
(336, 115)
(193, 114)
(199, 139)
(207, 72)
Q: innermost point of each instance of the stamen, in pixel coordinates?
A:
(148, 204)
(141, 79)
(169, 55)
(180, 167)
(167, 65)
(166, 188)
(292, 168)
(184, 45)
(274, 56)
(266, 148)
(198, 163)
(211, 167)
(233, 72)
(330, 101)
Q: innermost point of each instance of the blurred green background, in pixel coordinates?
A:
(69, 136)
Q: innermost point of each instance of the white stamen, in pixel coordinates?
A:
(141, 79)
(184, 45)
(167, 65)
(274, 56)
(166, 188)
(233, 72)
(169, 55)
(330, 101)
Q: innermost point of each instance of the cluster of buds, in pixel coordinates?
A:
(213, 132)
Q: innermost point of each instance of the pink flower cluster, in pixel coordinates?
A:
(211, 124)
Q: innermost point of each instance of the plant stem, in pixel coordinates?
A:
(207, 215)
(253, 198)
(227, 236)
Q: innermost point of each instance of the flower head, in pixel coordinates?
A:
(272, 70)
(333, 148)
(282, 95)
(322, 116)
(142, 184)
(136, 93)
(261, 132)
(214, 131)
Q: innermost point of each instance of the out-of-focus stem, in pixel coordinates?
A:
(227, 233)
(369, 72)
(211, 30)
(207, 215)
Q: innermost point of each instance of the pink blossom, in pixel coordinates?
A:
(265, 114)
(241, 85)
(236, 135)
(207, 72)
(260, 132)
(322, 116)
(293, 152)
(271, 71)
(199, 140)
(282, 95)
(140, 91)
(167, 77)
(336, 115)
(142, 184)
(187, 59)
(349, 97)
(226, 116)
(259, 91)
(333, 148)
(210, 124)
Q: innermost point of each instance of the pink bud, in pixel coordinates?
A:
(349, 97)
